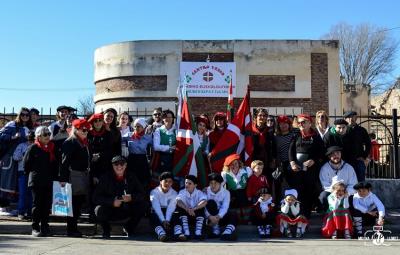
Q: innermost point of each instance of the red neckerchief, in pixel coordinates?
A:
(309, 135)
(136, 136)
(119, 178)
(261, 133)
(93, 132)
(49, 148)
(83, 141)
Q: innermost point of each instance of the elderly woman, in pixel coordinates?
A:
(40, 165)
(119, 196)
(138, 142)
(306, 152)
(75, 168)
(322, 123)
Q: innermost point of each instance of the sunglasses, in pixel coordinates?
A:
(46, 134)
(24, 114)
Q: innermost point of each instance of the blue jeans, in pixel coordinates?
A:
(25, 195)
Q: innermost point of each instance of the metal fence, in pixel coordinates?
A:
(384, 126)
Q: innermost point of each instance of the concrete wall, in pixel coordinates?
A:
(252, 57)
(387, 191)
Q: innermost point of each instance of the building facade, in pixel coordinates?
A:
(285, 76)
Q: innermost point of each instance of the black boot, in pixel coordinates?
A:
(106, 230)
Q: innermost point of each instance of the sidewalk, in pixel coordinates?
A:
(11, 225)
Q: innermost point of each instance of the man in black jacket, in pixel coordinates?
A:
(360, 143)
(119, 196)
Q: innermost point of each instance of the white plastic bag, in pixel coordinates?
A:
(62, 200)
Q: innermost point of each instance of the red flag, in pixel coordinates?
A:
(229, 113)
(236, 139)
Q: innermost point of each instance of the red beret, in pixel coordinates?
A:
(304, 116)
(220, 115)
(80, 123)
(231, 158)
(284, 119)
(202, 119)
(95, 116)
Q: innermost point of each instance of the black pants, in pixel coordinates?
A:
(72, 222)
(268, 220)
(367, 219)
(323, 199)
(139, 166)
(228, 218)
(41, 205)
(133, 212)
(238, 198)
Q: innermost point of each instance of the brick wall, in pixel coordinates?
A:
(319, 82)
(272, 82)
(137, 82)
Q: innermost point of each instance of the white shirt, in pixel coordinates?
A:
(368, 204)
(264, 205)
(160, 200)
(222, 198)
(191, 200)
(294, 208)
(345, 173)
(334, 202)
(157, 140)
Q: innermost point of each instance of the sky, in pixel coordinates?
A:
(47, 47)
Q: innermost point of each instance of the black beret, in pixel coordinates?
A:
(192, 178)
(34, 110)
(332, 149)
(62, 107)
(118, 159)
(349, 114)
(362, 185)
(165, 175)
(340, 122)
(215, 177)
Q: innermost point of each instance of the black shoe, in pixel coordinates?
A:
(75, 233)
(45, 230)
(36, 233)
(228, 237)
(106, 235)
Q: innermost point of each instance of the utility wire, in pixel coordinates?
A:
(45, 89)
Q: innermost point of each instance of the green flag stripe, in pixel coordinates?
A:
(225, 153)
(178, 167)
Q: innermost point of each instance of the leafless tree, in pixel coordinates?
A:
(367, 53)
(86, 105)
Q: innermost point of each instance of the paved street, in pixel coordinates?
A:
(24, 244)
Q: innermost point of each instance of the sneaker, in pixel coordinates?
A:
(261, 231)
(267, 231)
(347, 236)
(299, 235)
(289, 234)
(36, 233)
(334, 237)
(181, 237)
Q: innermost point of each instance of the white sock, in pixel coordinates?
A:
(160, 231)
(216, 230)
(229, 229)
(185, 225)
(358, 224)
(177, 230)
(261, 230)
(268, 229)
(199, 225)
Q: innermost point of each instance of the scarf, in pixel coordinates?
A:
(136, 136)
(119, 178)
(48, 148)
(261, 133)
(309, 135)
(83, 141)
(93, 132)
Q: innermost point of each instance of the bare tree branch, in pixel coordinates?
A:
(367, 53)
(86, 105)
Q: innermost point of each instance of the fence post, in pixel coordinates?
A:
(395, 145)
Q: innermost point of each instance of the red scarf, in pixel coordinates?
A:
(136, 136)
(83, 141)
(93, 132)
(262, 134)
(310, 134)
(119, 178)
(48, 148)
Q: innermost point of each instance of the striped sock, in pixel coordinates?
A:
(160, 231)
(268, 229)
(358, 224)
(199, 225)
(261, 231)
(185, 225)
(177, 230)
(229, 229)
(216, 230)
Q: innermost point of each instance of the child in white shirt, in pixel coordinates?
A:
(264, 215)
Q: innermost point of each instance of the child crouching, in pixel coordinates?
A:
(290, 215)
(190, 208)
(264, 214)
(338, 216)
(366, 208)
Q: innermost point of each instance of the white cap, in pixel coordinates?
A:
(140, 121)
(41, 130)
(291, 192)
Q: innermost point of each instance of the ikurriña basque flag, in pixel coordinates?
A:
(188, 158)
(236, 139)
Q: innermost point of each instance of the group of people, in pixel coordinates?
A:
(121, 169)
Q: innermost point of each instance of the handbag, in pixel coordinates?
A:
(79, 181)
(62, 200)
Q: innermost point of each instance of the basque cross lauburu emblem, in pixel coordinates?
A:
(208, 76)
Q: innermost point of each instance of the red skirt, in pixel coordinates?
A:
(289, 220)
(339, 219)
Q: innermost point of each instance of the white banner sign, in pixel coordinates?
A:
(208, 79)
